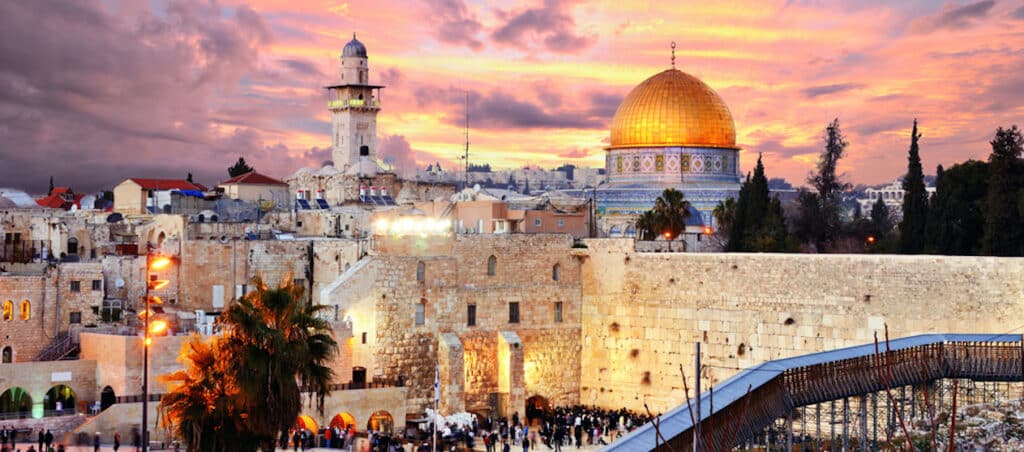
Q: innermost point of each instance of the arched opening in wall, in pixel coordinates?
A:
(381, 421)
(8, 355)
(421, 271)
(59, 401)
(364, 151)
(15, 403)
(8, 312)
(615, 232)
(26, 310)
(72, 246)
(306, 422)
(343, 420)
(556, 272)
(160, 240)
(536, 406)
(630, 231)
(492, 265)
(107, 398)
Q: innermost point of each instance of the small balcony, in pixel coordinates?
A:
(352, 103)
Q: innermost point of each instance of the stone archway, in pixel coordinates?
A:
(381, 421)
(343, 420)
(8, 355)
(306, 422)
(59, 401)
(107, 398)
(536, 406)
(16, 402)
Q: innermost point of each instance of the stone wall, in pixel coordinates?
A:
(38, 377)
(206, 264)
(455, 276)
(643, 312)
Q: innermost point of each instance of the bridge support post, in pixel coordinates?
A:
(789, 431)
(863, 402)
(846, 423)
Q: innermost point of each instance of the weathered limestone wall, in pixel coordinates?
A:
(118, 361)
(211, 263)
(454, 278)
(643, 312)
(38, 377)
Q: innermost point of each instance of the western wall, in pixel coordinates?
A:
(643, 312)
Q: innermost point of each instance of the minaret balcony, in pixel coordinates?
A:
(356, 103)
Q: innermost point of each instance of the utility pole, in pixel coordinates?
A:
(696, 428)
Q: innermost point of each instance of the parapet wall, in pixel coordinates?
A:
(643, 312)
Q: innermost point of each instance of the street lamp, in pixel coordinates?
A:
(668, 236)
(153, 263)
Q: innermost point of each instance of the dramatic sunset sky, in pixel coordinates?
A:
(94, 91)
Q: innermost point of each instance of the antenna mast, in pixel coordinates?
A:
(466, 155)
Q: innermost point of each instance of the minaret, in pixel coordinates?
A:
(354, 104)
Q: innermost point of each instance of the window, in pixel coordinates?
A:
(420, 313)
(299, 282)
(421, 271)
(8, 357)
(364, 337)
(492, 265)
(240, 290)
(8, 310)
(536, 222)
(561, 222)
(218, 296)
(75, 318)
(513, 312)
(26, 310)
(76, 286)
(558, 312)
(471, 315)
(97, 284)
(556, 272)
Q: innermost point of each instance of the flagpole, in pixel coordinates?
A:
(437, 398)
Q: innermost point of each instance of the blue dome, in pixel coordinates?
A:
(354, 48)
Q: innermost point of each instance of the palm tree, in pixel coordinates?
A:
(647, 226)
(672, 210)
(273, 349)
(200, 407)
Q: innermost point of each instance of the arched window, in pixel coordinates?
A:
(26, 310)
(556, 272)
(8, 355)
(8, 310)
(421, 271)
(72, 246)
(492, 265)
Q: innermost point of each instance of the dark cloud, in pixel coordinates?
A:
(396, 151)
(499, 109)
(548, 25)
(953, 15)
(93, 93)
(457, 25)
(822, 90)
(392, 77)
(302, 67)
(1018, 13)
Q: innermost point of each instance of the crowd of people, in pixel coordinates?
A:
(8, 436)
(557, 428)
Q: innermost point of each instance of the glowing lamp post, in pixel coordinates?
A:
(153, 263)
(668, 236)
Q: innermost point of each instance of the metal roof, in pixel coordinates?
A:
(678, 420)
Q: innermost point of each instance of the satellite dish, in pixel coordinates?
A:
(476, 187)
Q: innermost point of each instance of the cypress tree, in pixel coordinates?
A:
(738, 231)
(880, 222)
(757, 206)
(50, 191)
(915, 201)
(1002, 217)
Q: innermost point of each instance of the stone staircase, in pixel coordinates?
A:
(62, 347)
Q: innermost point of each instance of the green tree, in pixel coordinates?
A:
(668, 216)
(956, 220)
(754, 211)
(819, 214)
(274, 348)
(189, 177)
(881, 223)
(725, 215)
(915, 201)
(672, 210)
(239, 168)
(1002, 217)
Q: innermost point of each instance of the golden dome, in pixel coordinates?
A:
(673, 108)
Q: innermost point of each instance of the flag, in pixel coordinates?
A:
(437, 384)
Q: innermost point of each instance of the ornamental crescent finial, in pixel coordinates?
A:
(673, 54)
